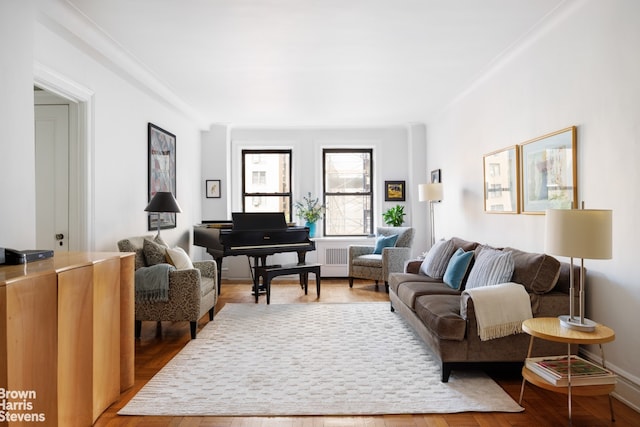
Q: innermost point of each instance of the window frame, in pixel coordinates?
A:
(288, 194)
(326, 194)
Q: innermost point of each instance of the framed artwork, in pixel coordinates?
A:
(162, 172)
(213, 188)
(549, 173)
(436, 177)
(394, 191)
(501, 181)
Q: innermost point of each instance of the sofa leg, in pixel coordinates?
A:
(351, 282)
(211, 314)
(137, 328)
(446, 371)
(391, 305)
(194, 326)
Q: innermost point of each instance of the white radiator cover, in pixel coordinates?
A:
(333, 254)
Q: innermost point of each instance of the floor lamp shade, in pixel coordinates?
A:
(163, 201)
(584, 234)
(430, 193)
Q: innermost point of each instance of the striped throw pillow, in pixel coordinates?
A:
(491, 268)
(437, 259)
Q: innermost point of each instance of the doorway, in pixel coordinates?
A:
(50, 88)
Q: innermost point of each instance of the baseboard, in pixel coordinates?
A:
(628, 387)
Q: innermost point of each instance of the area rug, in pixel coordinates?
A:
(311, 359)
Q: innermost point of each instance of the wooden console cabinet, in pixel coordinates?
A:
(66, 337)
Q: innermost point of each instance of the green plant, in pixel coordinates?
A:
(309, 209)
(394, 216)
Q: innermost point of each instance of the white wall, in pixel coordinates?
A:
(582, 69)
(122, 107)
(17, 151)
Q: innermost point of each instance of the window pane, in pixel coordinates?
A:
(268, 204)
(347, 172)
(266, 173)
(348, 215)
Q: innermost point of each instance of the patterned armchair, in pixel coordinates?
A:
(364, 264)
(191, 291)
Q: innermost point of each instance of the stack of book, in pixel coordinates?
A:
(555, 370)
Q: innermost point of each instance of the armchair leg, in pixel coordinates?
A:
(137, 328)
(194, 326)
(386, 286)
(350, 282)
(211, 314)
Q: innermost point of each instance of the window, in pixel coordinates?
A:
(347, 192)
(266, 181)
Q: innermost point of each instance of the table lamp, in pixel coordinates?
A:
(578, 233)
(431, 193)
(162, 201)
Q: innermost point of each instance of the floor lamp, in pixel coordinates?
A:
(578, 233)
(431, 193)
(162, 201)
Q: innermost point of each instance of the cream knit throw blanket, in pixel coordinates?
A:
(500, 309)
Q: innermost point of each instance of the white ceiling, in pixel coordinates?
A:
(316, 62)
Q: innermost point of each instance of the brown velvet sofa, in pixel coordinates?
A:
(445, 320)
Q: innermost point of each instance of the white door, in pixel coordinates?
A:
(52, 177)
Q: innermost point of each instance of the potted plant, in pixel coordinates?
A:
(311, 211)
(394, 216)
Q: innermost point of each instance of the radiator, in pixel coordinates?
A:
(333, 254)
(336, 256)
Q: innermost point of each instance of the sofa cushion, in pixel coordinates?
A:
(437, 259)
(538, 273)
(370, 260)
(154, 253)
(441, 314)
(384, 242)
(457, 268)
(407, 292)
(396, 279)
(491, 267)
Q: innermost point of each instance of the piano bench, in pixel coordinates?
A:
(269, 272)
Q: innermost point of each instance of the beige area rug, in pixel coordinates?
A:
(311, 359)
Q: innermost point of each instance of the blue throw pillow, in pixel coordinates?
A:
(457, 268)
(385, 242)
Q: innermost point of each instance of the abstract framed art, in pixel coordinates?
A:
(549, 172)
(162, 172)
(501, 181)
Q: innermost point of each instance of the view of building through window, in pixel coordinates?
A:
(266, 181)
(347, 192)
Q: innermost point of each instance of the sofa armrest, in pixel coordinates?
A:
(359, 250)
(413, 266)
(393, 260)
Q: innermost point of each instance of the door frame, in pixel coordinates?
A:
(81, 154)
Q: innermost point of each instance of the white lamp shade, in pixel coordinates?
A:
(579, 233)
(430, 192)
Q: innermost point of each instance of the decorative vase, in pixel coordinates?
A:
(312, 228)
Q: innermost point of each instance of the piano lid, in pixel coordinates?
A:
(258, 221)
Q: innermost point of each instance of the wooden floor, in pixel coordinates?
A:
(542, 408)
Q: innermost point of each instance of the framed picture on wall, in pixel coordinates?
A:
(394, 191)
(162, 172)
(501, 181)
(549, 176)
(213, 188)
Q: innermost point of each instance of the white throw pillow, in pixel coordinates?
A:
(437, 259)
(179, 258)
(492, 267)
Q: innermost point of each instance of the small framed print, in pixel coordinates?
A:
(394, 191)
(213, 188)
(435, 176)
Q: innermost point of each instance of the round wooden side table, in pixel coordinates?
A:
(550, 329)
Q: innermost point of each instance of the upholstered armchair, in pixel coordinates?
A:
(192, 286)
(365, 264)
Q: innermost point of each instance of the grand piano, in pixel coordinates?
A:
(254, 234)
